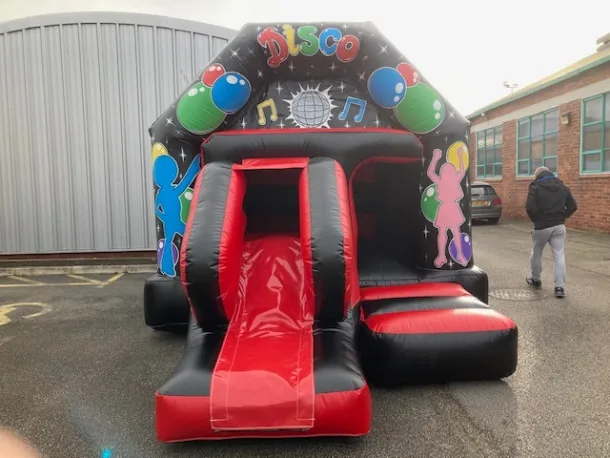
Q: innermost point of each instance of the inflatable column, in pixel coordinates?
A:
(445, 203)
(175, 166)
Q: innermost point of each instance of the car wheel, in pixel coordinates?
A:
(493, 220)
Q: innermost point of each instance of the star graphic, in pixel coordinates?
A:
(243, 123)
(383, 49)
(377, 121)
(279, 88)
(366, 57)
(332, 68)
(450, 264)
(169, 121)
(291, 66)
(345, 26)
(180, 176)
(426, 232)
(281, 124)
(347, 125)
(158, 228)
(182, 155)
(258, 29)
(361, 76)
(426, 256)
(260, 73)
(235, 53)
(250, 51)
(451, 114)
(421, 188)
(341, 86)
(446, 139)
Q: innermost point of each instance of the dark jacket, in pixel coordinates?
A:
(549, 201)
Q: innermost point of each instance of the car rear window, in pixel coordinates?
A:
(480, 191)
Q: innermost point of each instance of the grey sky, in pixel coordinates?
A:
(465, 48)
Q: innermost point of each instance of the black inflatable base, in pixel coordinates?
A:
(165, 304)
(392, 361)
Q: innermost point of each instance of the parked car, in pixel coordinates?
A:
(486, 203)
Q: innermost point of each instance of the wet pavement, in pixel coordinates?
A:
(78, 372)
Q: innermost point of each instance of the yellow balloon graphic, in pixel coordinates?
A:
(453, 158)
(158, 149)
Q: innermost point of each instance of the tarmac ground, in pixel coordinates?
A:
(79, 369)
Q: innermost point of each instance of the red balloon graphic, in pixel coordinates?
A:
(409, 73)
(211, 74)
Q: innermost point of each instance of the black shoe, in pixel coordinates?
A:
(559, 292)
(532, 282)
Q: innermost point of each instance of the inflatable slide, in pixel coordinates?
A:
(314, 237)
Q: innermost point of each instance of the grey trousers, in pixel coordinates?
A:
(556, 237)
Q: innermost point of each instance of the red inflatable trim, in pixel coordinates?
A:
(305, 232)
(231, 243)
(375, 293)
(310, 130)
(186, 418)
(272, 163)
(185, 239)
(439, 321)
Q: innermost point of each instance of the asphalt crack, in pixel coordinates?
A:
(481, 441)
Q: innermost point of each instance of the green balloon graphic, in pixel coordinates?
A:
(185, 204)
(429, 203)
(196, 111)
(422, 110)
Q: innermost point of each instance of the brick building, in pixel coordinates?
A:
(562, 122)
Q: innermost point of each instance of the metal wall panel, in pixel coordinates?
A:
(77, 95)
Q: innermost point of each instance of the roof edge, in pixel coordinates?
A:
(526, 92)
(119, 17)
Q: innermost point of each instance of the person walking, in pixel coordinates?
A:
(549, 204)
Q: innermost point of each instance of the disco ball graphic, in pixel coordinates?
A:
(311, 107)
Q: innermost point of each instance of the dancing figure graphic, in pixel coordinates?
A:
(449, 193)
(168, 206)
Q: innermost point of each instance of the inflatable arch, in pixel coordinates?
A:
(314, 236)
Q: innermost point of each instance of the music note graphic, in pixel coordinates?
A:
(353, 101)
(269, 103)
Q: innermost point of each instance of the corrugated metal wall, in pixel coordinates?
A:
(77, 95)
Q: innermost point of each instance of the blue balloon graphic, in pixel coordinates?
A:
(387, 87)
(230, 92)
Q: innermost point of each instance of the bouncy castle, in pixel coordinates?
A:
(314, 237)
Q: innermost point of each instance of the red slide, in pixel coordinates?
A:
(264, 374)
(270, 350)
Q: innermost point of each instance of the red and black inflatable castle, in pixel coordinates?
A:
(314, 235)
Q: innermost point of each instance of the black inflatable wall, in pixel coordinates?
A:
(330, 75)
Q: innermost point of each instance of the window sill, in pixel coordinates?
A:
(594, 175)
(494, 179)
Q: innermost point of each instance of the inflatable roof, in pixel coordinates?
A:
(309, 76)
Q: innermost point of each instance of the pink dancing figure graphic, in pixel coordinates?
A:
(449, 215)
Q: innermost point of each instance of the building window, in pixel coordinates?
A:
(595, 135)
(489, 153)
(537, 142)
